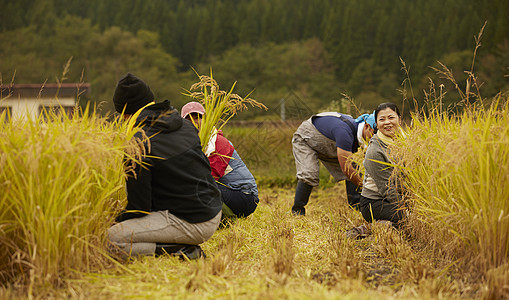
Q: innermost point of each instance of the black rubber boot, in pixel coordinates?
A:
(183, 251)
(353, 195)
(301, 198)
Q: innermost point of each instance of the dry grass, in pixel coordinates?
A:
(62, 183)
(273, 255)
(458, 192)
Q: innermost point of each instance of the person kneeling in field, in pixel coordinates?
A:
(173, 203)
(381, 193)
(238, 186)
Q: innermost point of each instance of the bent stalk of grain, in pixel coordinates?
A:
(220, 106)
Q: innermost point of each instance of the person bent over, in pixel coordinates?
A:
(173, 203)
(330, 138)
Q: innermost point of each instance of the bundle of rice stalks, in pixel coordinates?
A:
(220, 106)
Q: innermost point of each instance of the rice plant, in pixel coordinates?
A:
(220, 106)
(455, 161)
(457, 176)
(62, 183)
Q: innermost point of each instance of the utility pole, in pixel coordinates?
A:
(282, 106)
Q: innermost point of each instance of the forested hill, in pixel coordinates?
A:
(319, 48)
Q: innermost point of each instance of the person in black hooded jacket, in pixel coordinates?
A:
(173, 202)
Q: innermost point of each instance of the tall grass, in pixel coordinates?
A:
(61, 183)
(455, 161)
(262, 148)
(459, 182)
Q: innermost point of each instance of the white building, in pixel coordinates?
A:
(28, 101)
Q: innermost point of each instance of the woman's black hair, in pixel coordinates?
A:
(385, 105)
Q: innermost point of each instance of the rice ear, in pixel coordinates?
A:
(220, 106)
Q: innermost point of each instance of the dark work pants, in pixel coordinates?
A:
(303, 190)
(353, 195)
(373, 210)
(241, 204)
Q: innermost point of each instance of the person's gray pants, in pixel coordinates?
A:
(310, 147)
(139, 236)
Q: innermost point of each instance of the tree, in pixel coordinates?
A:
(116, 52)
(272, 70)
(493, 71)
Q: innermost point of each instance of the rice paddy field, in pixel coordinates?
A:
(61, 185)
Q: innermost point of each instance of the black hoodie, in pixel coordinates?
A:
(177, 177)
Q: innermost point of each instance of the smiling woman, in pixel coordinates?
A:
(380, 198)
(388, 119)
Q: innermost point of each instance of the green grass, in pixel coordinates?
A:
(266, 149)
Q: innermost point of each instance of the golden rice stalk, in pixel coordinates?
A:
(220, 106)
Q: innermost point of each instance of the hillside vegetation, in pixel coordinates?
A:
(318, 49)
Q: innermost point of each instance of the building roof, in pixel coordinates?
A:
(47, 90)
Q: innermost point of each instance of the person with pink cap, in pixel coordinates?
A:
(239, 191)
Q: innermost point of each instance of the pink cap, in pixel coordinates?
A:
(192, 107)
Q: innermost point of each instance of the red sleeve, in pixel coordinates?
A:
(220, 158)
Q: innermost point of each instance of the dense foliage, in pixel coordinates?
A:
(319, 48)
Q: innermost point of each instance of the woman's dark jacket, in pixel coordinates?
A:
(176, 174)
